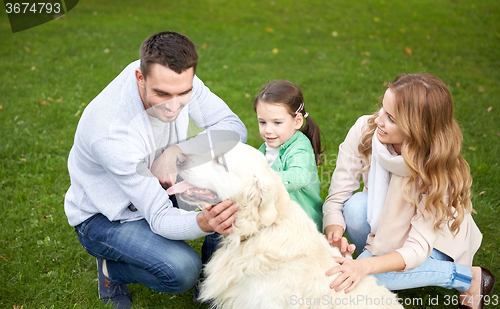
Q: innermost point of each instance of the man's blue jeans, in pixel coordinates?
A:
(438, 270)
(135, 254)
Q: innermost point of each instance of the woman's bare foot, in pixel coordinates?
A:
(472, 297)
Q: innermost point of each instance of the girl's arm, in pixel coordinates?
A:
(297, 175)
(352, 271)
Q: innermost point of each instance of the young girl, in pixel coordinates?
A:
(412, 225)
(291, 149)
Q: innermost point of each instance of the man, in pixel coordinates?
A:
(126, 141)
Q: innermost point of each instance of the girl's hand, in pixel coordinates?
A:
(351, 273)
(333, 234)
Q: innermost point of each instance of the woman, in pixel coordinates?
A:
(412, 223)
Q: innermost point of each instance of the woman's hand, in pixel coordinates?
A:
(351, 273)
(334, 234)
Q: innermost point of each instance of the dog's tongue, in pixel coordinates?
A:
(179, 187)
(193, 194)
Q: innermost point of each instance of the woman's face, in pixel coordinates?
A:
(388, 132)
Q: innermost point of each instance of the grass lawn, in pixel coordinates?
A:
(341, 54)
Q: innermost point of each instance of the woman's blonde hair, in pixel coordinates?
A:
(431, 149)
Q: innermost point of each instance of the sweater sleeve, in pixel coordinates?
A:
(210, 112)
(345, 178)
(121, 159)
(420, 242)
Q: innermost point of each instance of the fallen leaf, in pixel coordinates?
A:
(408, 50)
(335, 34)
(43, 102)
(50, 99)
(224, 66)
(204, 46)
(305, 50)
(26, 48)
(480, 89)
(275, 51)
(47, 216)
(270, 30)
(247, 95)
(490, 108)
(95, 13)
(402, 30)
(22, 159)
(3, 258)
(364, 61)
(386, 84)
(428, 37)
(60, 99)
(376, 19)
(106, 51)
(457, 84)
(33, 68)
(472, 148)
(482, 192)
(347, 92)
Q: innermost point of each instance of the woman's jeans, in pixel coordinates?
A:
(134, 254)
(437, 270)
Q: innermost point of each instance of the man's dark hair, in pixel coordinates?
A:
(171, 49)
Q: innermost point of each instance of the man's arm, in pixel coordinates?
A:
(210, 112)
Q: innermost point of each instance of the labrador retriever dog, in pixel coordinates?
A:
(275, 258)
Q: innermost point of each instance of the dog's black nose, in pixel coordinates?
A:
(181, 159)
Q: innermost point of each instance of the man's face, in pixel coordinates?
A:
(164, 92)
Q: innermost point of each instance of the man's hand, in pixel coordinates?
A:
(334, 234)
(164, 167)
(218, 218)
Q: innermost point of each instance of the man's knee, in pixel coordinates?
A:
(182, 274)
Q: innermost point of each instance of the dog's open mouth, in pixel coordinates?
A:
(193, 195)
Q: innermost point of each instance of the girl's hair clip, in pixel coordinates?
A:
(300, 108)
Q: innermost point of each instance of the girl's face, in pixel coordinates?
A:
(388, 132)
(276, 125)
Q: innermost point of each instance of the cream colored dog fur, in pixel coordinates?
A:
(275, 258)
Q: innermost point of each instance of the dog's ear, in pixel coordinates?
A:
(268, 198)
(257, 202)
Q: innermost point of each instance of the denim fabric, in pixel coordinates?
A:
(437, 270)
(135, 254)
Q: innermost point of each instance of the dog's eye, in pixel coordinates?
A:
(219, 160)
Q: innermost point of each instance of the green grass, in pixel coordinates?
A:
(341, 53)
